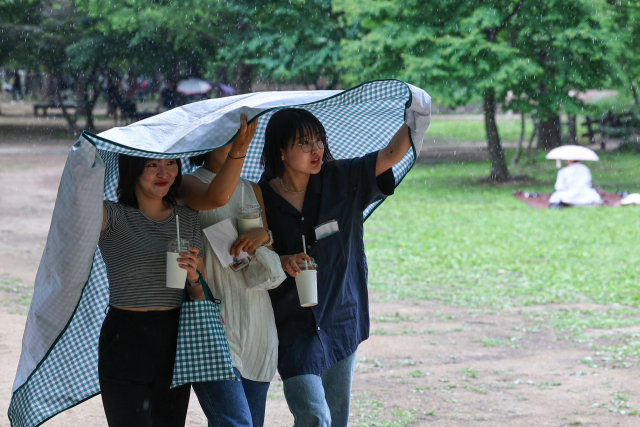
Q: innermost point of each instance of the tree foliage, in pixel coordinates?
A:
(537, 50)
(626, 15)
(282, 41)
(19, 28)
(532, 52)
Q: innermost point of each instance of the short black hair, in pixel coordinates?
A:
(197, 161)
(130, 168)
(281, 131)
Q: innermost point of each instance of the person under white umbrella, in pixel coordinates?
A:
(573, 185)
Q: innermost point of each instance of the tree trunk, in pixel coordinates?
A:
(47, 88)
(531, 156)
(112, 108)
(573, 129)
(499, 170)
(71, 120)
(94, 81)
(82, 82)
(635, 94)
(91, 103)
(242, 77)
(516, 157)
(549, 133)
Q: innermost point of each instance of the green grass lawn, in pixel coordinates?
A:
(452, 130)
(474, 130)
(448, 235)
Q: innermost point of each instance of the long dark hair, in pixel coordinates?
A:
(130, 168)
(281, 132)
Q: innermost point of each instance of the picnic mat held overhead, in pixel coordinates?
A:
(58, 367)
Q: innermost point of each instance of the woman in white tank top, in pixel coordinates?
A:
(248, 316)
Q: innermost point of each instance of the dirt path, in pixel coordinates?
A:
(425, 363)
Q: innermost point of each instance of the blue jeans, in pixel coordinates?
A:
(321, 400)
(233, 403)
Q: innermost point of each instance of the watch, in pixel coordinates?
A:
(270, 242)
(192, 284)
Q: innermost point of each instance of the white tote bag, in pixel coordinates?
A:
(264, 272)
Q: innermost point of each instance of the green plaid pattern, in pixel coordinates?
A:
(203, 352)
(358, 121)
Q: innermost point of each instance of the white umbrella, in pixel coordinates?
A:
(572, 152)
(193, 86)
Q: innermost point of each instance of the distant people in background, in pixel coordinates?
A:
(143, 91)
(168, 96)
(104, 85)
(17, 85)
(118, 100)
(573, 186)
(132, 87)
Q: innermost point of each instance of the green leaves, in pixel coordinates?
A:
(540, 49)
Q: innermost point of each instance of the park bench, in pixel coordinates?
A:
(129, 110)
(45, 107)
(611, 126)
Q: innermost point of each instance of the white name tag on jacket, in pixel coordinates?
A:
(327, 229)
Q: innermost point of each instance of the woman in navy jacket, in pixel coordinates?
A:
(303, 187)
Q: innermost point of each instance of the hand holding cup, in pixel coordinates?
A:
(189, 261)
(290, 263)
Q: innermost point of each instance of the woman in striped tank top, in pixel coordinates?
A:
(139, 335)
(138, 338)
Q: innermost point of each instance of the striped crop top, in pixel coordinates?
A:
(134, 250)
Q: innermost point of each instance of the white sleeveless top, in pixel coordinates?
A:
(250, 325)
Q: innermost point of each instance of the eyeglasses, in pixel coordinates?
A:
(308, 144)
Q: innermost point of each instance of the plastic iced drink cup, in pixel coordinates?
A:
(248, 218)
(176, 276)
(307, 285)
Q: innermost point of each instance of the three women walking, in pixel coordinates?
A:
(152, 337)
(313, 348)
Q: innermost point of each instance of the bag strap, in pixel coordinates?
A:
(207, 292)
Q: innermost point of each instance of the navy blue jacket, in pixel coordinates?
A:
(314, 339)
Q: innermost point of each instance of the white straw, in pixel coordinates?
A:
(304, 248)
(178, 231)
(242, 204)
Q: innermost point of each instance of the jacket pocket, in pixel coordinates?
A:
(331, 256)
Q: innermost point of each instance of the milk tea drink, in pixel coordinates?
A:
(307, 284)
(248, 218)
(176, 276)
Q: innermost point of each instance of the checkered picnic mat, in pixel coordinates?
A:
(358, 121)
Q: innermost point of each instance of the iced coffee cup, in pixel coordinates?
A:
(248, 218)
(307, 284)
(176, 276)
